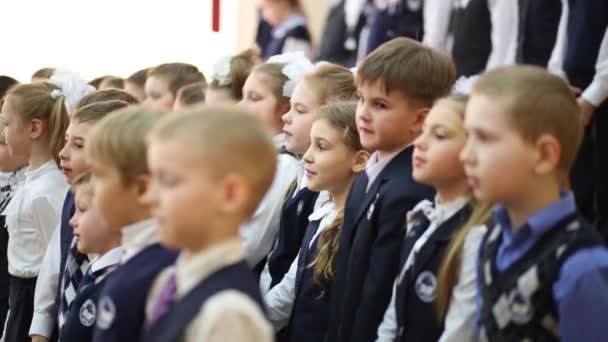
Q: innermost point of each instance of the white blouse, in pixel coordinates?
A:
(32, 216)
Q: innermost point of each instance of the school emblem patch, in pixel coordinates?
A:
(107, 313)
(520, 308)
(300, 207)
(426, 286)
(88, 311)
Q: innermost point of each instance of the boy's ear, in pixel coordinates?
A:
(360, 161)
(36, 128)
(548, 154)
(419, 117)
(235, 195)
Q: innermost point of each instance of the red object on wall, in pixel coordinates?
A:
(215, 16)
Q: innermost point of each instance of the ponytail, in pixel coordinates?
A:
(327, 246)
(58, 124)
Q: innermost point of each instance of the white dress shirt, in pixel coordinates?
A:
(292, 44)
(280, 299)
(14, 179)
(137, 236)
(259, 233)
(32, 216)
(109, 259)
(227, 315)
(460, 319)
(597, 92)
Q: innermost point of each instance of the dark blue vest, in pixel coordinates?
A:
(294, 220)
(415, 306)
(405, 20)
(121, 307)
(66, 233)
(80, 319)
(172, 325)
(472, 29)
(587, 21)
(275, 45)
(310, 313)
(538, 22)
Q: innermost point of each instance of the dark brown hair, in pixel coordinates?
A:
(177, 75)
(139, 77)
(97, 110)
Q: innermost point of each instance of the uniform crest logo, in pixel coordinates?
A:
(300, 207)
(107, 313)
(88, 311)
(520, 308)
(426, 286)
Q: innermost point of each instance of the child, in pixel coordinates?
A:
(301, 300)
(396, 85)
(164, 81)
(220, 157)
(107, 95)
(111, 82)
(116, 151)
(229, 76)
(267, 92)
(43, 74)
(189, 95)
(542, 270)
(35, 119)
(92, 238)
(439, 253)
(289, 30)
(135, 84)
(326, 83)
(52, 297)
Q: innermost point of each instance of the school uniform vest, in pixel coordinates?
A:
(172, 325)
(80, 319)
(472, 30)
(121, 306)
(538, 23)
(415, 307)
(310, 313)
(66, 235)
(518, 303)
(405, 20)
(275, 45)
(294, 220)
(587, 21)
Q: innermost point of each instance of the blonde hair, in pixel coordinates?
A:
(417, 72)
(107, 95)
(240, 68)
(34, 101)
(229, 140)
(537, 103)
(340, 115)
(82, 179)
(119, 140)
(97, 110)
(331, 82)
(177, 75)
(275, 80)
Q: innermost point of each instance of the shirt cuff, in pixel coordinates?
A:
(596, 93)
(43, 325)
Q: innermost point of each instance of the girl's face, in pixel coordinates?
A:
(330, 164)
(158, 95)
(436, 154)
(17, 131)
(298, 121)
(259, 100)
(90, 231)
(8, 163)
(72, 157)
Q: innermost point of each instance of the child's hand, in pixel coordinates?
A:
(587, 109)
(39, 338)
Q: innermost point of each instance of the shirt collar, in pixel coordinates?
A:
(137, 236)
(31, 175)
(437, 212)
(287, 25)
(323, 209)
(375, 166)
(111, 258)
(192, 270)
(539, 223)
(279, 141)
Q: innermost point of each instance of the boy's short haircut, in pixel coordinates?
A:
(83, 179)
(538, 103)
(419, 73)
(229, 141)
(97, 110)
(107, 95)
(139, 77)
(119, 141)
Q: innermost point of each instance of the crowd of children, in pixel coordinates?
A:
(284, 200)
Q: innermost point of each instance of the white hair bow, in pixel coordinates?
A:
(72, 86)
(221, 71)
(296, 66)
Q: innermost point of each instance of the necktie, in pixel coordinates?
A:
(164, 300)
(75, 267)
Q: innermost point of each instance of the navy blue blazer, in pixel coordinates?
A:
(368, 257)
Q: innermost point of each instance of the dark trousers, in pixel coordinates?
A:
(589, 176)
(21, 302)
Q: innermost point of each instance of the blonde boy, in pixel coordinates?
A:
(116, 150)
(396, 86)
(210, 169)
(543, 271)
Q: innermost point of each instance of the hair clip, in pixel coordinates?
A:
(221, 71)
(56, 93)
(72, 86)
(296, 66)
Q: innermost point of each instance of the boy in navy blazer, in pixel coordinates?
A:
(397, 85)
